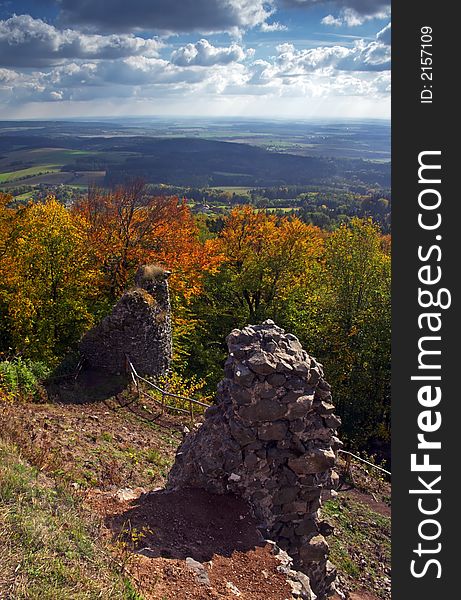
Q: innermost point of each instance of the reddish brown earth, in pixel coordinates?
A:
(374, 503)
(362, 595)
(109, 442)
(164, 528)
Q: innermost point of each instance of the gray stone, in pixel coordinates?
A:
(332, 421)
(315, 549)
(300, 407)
(286, 494)
(243, 435)
(262, 363)
(241, 395)
(201, 574)
(276, 379)
(269, 443)
(273, 431)
(243, 375)
(306, 526)
(265, 410)
(326, 408)
(315, 462)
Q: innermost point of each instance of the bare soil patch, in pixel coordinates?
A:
(164, 528)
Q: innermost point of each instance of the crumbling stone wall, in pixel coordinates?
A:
(271, 438)
(139, 326)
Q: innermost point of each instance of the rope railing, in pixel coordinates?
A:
(359, 458)
(136, 378)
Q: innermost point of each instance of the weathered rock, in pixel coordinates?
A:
(264, 410)
(201, 574)
(273, 431)
(243, 375)
(139, 326)
(300, 407)
(332, 421)
(276, 379)
(262, 363)
(315, 550)
(315, 462)
(268, 440)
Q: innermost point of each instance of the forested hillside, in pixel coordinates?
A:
(62, 269)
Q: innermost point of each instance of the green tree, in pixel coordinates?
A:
(357, 327)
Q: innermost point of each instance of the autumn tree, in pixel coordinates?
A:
(127, 228)
(50, 280)
(265, 261)
(8, 229)
(264, 256)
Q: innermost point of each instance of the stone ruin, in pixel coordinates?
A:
(139, 326)
(270, 437)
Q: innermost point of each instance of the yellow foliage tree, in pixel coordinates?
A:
(50, 279)
(265, 256)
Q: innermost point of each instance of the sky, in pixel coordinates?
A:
(208, 58)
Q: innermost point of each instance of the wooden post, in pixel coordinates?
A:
(163, 403)
(349, 468)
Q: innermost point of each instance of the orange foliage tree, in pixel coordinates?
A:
(265, 257)
(128, 228)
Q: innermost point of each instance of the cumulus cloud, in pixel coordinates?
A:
(331, 21)
(352, 13)
(44, 63)
(204, 54)
(348, 17)
(362, 56)
(29, 42)
(204, 16)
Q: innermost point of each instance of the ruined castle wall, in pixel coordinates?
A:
(271, 438)
(139, 326)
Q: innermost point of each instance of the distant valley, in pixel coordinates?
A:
(225, 154)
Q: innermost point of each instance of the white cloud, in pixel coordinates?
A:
(29, 42)
(362, 56)
(384, 36)
(204, 54)
(275, 26)
(350, 17)
(68, 67)
(331, 21)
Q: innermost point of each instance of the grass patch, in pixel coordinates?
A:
(360, 547)
(29, 172)
(48, 544)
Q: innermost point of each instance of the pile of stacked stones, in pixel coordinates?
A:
(139, 327)
(270, 437)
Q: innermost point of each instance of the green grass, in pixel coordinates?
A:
(361, 543)
(49, 545)
(29, 172)
(233, 188)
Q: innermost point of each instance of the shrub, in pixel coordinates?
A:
(22, 379)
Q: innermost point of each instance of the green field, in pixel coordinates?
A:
(232, 188)
(29, 172)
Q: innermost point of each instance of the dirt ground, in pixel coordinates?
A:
(115, 454)
(164, 528)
